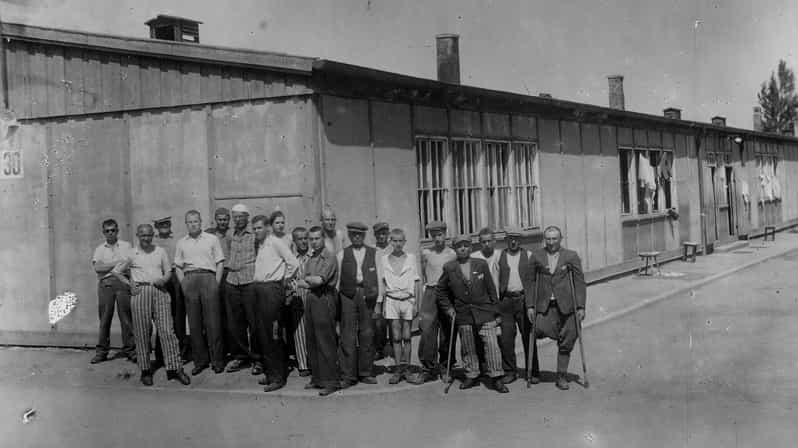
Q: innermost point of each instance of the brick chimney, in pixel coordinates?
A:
(448, 56)
(758, 125)
(616, 92)
(672, 113)
(179, 29)
(717, 120)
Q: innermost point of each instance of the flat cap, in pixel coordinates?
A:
(221, 211)
(380, 226)
(162, 221)
(357, 227)
(458, 240)
(240, 208)
(513, 232)
(436, 225)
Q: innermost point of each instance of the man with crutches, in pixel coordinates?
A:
(466, 293)
(557, 306)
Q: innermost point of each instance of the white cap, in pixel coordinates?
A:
(240, 208)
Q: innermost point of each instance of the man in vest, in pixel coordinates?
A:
(360, 285)
(514, 287)
(553, 301)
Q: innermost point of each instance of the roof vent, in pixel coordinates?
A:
(178, 29)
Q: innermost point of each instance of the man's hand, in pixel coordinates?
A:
(530, 314)
(580, 314)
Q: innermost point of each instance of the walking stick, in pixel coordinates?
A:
(449, 378)
(533, 341)
(578, 330)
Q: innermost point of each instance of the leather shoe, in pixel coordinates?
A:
(98, 358)
(236, 365)
(509, 378)
(305, 372)
(327, 391)
(257, 368)
(146, 378)
(562, 382)
(274, 386)
(469, 383)
(198, 369)
(368, 380)
(178, 375)
(498, 386)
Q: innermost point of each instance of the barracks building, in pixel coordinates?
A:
(136, 129)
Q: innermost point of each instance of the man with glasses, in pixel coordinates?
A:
(113, 292)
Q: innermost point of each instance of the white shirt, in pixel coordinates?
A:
(514, 279)
(401, 284)
(149, 267)
(275, 261)
(111, 253)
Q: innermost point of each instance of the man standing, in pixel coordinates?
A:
(198, 261)
(150, 272)
(240, 295)
(321, 275)
(553, 300)
(298, 305)
(382, 347)
(275, 266)
(111, 292)
(488, 253)
(467, 295)
(515, 286)
(334, 239)
(165, 239)
(431, 345)
(361, 293)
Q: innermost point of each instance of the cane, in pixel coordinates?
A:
(449, 378)
(532, 347)
(578, 330)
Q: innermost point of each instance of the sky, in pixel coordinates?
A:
(705, 57)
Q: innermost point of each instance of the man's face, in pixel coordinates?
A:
(278, 225)
(398, 242)
(145, 236)
(487, 242)
(328, 221)
(513, 243)
(552, 239)
(300, 241)
(382, 238)
(357, 238)
(316, 241)
(193, 224)
(164, 230)
(463, 250)
(438, 238)
(260, 229)
(222, 222)
(240, 220)
(111, 233)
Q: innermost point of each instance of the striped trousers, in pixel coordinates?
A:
(490, 344)
(153, 305)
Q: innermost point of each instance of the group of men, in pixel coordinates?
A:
(325, 301)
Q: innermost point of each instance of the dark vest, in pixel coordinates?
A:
(349, 273)
(504, 269)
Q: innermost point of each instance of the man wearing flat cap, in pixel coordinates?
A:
(433, 347)
(466, 293)
(515, 286)
(382, 348)
(361, 293)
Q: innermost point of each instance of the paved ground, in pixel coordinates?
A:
(712, 366)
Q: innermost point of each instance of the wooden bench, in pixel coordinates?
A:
(769, 230)
(650, 259)
(690, 251)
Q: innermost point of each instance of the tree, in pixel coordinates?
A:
(778, 100)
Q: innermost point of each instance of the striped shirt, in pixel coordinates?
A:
(241, 264)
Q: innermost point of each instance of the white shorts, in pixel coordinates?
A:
(399, 309)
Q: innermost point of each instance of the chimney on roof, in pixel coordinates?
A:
(758, 125)
(448, 55)
(717, 120)
(672, 113)
(176, 29)
(616, 92)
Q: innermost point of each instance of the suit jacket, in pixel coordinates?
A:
(545, 283)
(473, 300)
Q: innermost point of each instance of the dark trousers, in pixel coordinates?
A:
(111, 293)
(322, 342)
(269, 303)
(561, 327)
(513, 311)
(177, 306)
(357, 336)
(202, 303)
(242, 321)
(435, 326)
